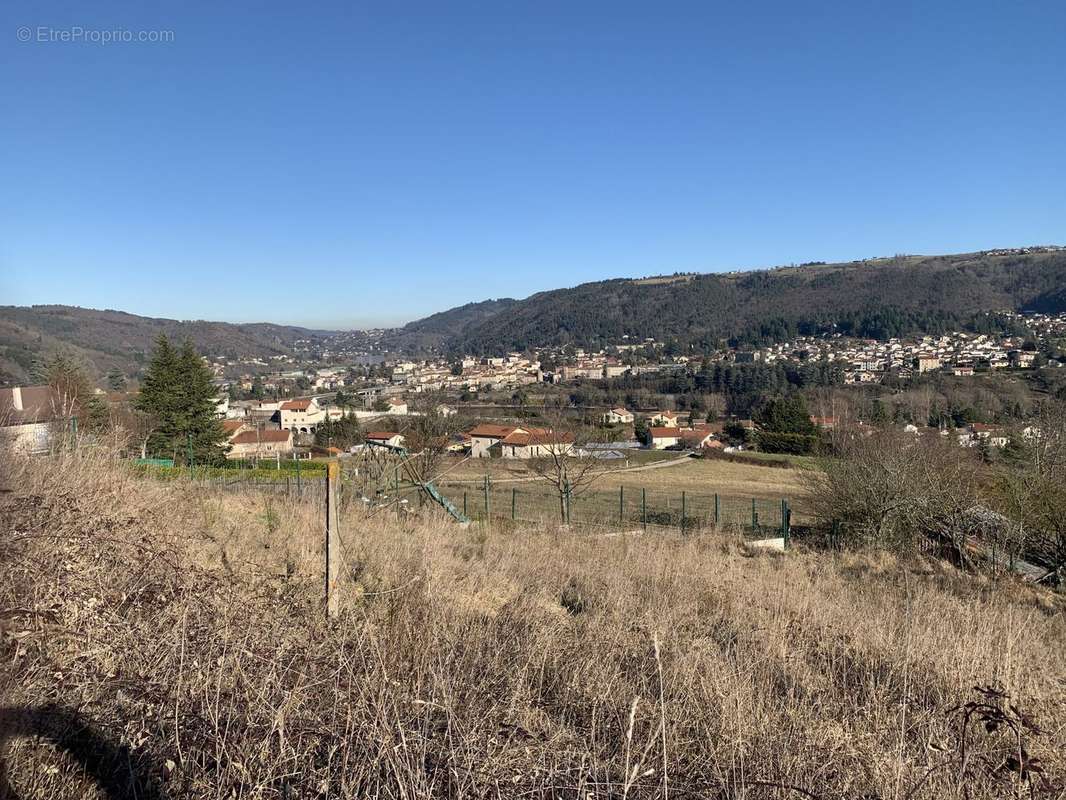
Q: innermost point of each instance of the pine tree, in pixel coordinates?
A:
(177, 397)
(201, 428)
(159, 398)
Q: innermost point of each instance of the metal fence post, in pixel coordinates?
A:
(754, 515)
(514, 502)
(682, 512)
(621, 503)
(717, 510)
(644, 507)
(788, 524)
(332, 560)
(465, 514)
(487, 501)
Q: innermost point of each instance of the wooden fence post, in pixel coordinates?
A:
(514, 502)
(644, 507)
(754, 515)
(682, 512)
(621, 503)
(332, 535)
(488, 506)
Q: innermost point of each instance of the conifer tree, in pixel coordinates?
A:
(178, 397)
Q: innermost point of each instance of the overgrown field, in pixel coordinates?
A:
(158, 635)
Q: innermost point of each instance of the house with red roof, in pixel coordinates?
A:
(508, 441)
(301, 416)
(260, 443)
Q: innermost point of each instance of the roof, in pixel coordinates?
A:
(296, 405)
(665, 433)
(665, 414)
(489, 431)
(620, 411)
(537, 436)
(261, 437)
(36, 401)
(697, 435)
(381, 435)
(232, 425)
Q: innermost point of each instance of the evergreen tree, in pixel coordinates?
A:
(177, 397)
(198, 407)
(116, 381)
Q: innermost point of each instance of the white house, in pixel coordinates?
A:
(385, 439)
(617, 416)
(664, 436)
(507, 441)
(260, 444)
(301, 416)
(664, 419)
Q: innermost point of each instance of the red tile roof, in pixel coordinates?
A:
(489, 431)
(232, 425)
(667, 432)
(381, 435)
(260, 437)
(537, 436)
(296, 405)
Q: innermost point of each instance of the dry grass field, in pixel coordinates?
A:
(161, 637)
(705, 476)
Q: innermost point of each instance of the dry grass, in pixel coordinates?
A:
(477, 663)
(705, 476)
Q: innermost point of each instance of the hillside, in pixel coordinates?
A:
(172, 638)
(878, 298)
(437, 330)
(114, 339)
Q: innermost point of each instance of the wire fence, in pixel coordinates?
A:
(626, 507)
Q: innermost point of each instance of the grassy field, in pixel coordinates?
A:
(697, 476)
(173, 639)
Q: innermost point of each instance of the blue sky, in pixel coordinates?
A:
(350, 164)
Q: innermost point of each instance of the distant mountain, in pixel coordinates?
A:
(113, 339)
(878, 298)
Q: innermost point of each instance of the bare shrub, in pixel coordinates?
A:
(893, 490)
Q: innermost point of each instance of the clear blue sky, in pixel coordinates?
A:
(346, 164)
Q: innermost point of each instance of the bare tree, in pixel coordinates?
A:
(1032, 487)
(427, 437)
(561, 460)
(891, 489)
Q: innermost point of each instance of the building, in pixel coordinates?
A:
(664, 436)
(617, 416)
(926, 363)
(28, 416)
(389, 439)
(664, 419)
(507, 441)
(301, 416)
(260, 444)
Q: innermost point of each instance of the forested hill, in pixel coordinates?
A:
(116, 340)
(442, 328)
(876, 298)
